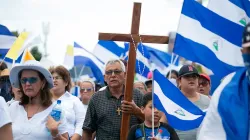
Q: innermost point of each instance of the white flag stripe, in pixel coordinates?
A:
(171, 107)
(6, 41)
(194, 31)
(212, 122)
(229, 11)
(103, 54)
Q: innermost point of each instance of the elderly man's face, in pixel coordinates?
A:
(114, 76)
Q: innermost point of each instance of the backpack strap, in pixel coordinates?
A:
(143, 131)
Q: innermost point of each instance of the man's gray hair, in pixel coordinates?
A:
(112, 61)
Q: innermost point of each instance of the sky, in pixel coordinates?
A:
(82, 20)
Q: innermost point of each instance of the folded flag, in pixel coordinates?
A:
(181, 113)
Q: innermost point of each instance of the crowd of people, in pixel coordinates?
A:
(30, 91)
(93, 114)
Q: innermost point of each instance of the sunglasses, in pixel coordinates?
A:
(31, 80)
(190, 76)
(203, 83)
(85, 89)
(57, 78)
(110, 72)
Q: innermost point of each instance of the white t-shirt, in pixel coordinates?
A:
(34, 128)
(74, 113)
(4, 113)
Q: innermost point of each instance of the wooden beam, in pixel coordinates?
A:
(130, 70)
(136, 37)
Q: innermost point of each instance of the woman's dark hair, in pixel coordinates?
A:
(174, 72)
(146, 98)
(45, 95)
(64, 73)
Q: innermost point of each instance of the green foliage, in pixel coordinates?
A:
(36, 53)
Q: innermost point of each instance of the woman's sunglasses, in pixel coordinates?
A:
(31, 80)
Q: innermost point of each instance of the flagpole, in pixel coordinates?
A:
(81, 70)
(175, 59)
(75, 73)
(172, 57)
(153, 132)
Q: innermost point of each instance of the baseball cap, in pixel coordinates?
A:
(187, 70)
(205, 76)
(246, 36)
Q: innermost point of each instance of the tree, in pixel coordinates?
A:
(36, 53)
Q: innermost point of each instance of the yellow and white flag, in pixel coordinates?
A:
(23, 41)
(69, 57)
(18, 46)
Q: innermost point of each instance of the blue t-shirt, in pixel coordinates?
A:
(142, 132)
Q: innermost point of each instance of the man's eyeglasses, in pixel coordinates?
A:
(57, 78)
(31, 80)
(190, 76)
(203, 83)
(110, 72)
(86, 89)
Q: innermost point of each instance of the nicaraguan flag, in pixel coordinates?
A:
(209, 39)
(227, 117)
(181, 113)
(86, 58)
(237, 11)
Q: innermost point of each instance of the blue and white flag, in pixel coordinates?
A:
(86, 58)
(227, 117)
(209, 39)
(181, 113)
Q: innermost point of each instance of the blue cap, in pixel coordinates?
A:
(59, 101)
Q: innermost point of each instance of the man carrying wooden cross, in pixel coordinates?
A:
(106, 107)
(129, 94)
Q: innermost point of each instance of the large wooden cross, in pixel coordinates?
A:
(131, 58)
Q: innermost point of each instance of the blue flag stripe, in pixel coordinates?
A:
(5, 31)
(214, 23)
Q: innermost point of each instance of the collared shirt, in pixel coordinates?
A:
(102, 115)
(74, 113)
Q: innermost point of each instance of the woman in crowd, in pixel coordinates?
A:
(30, 117)
(72, 106)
